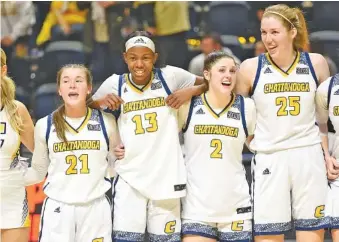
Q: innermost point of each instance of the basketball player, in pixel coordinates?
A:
(215, 127)
(16, 127)
(327, 101)
(72, 144)
(152, 177)
(289, 174)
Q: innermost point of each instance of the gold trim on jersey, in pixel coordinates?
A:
(289, 70)
(82, 125)
(137, 89)
(210, 109)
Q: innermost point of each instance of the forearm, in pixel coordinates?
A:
(324, 138)
(199, 89)
(34, 175)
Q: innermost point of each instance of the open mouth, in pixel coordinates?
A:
(226, 83)
(139, 73)
(73, 95)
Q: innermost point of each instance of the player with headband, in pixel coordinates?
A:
(151, 178)
(289, 173)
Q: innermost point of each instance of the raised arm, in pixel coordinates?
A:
(185, 87)
(107, 95)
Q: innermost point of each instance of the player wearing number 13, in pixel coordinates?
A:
(289, 167)
(72, 144)
(152, 176)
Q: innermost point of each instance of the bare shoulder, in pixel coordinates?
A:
(246, 76)
(250, 63)
(249, 66)
(317, 59)
(320, 66)
(22, 110)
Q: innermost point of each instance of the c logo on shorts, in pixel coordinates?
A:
(319, 211)
(237, 225)
(170, 227)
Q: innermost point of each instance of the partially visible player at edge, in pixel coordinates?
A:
(16, 126)
(289, 173)
(327, 100)
(72, 144)
(152, 177)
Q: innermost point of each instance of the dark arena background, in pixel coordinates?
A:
(37, 45)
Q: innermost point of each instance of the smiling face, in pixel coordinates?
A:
(222, 75)
(140, 61)
(275, 36)
(74, 86)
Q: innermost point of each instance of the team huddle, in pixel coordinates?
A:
(277, 104)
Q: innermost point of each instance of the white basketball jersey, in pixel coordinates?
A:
(285, 104)
(78, 168)
(153, 162)
(333, 109)
(217, 189)
(9, 143)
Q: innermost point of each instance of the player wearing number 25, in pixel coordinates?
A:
(16, 126)
(152, 176)
(72, 144)
(289, 168)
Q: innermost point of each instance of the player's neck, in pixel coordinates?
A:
(144, 81)
(75, 112)
(285, 61)
(218, 100)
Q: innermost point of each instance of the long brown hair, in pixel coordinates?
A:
(7, 97)
(291, 18)
(58, 115)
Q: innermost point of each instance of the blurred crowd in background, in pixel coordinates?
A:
(39, 37)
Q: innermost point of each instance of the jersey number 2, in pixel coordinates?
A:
(152, 120)
(72, 160)
(293, 102)
(217, 145)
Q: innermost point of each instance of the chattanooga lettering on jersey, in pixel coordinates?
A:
(287, 87)
(216, 129)
(76, 145)
(144, 104)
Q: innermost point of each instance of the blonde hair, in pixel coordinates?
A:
(8, 97)
(58, 116)
(291, 18)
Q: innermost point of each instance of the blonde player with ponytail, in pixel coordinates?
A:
(16, 127)
(289, 173)
(72, 145)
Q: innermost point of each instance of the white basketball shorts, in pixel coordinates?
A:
(289, 182)
(90, 222)
(132, 213)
